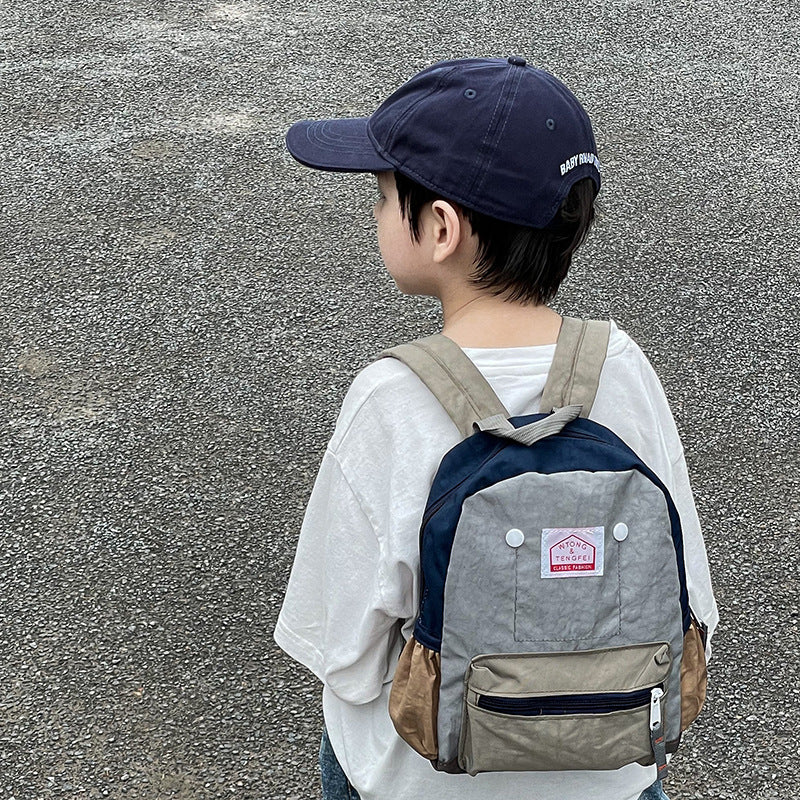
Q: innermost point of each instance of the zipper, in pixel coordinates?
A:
(657, 732)
(655, 708)
(603, 703)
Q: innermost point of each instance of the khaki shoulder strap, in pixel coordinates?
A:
(578, 361)
(452, 378)
(458, 385)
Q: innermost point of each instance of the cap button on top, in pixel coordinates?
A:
(517, 61)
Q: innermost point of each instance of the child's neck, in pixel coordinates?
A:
(486, 321)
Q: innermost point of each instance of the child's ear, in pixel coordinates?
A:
(447, 229)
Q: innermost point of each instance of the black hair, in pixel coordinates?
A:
(527, 263)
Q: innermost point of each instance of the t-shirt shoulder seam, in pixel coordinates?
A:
(342, 472)
(368, 517)
(339, 437)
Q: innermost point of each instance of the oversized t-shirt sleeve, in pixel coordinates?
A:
(334, 619)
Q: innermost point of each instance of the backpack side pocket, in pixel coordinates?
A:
(694, 676)
(414, 698)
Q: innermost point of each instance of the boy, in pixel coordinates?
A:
(487, 175)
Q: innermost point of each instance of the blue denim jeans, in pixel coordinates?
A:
(654, 792)
(335, 785)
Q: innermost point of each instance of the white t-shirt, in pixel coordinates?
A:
(355, 572)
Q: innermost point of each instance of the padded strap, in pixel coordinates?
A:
(578, 361)
(452, 378)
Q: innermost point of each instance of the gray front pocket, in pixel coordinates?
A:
(585, 710)
(565, 609)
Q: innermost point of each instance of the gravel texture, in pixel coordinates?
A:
(182, 308)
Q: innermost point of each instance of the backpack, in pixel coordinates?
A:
(554, 630)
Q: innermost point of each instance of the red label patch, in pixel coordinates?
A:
(572, 552)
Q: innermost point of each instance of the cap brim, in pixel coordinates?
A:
(338, 145)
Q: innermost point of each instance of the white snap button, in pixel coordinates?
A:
(515, 537)
(620, 531)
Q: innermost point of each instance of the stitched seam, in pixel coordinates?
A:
(598, 376)
(619, 591)
(406, 117)
(554, 394)
(517, 75)
(356, 412)
(369, 519)
(516, 591)
(486, 141)
(574, 638)
(574, 369)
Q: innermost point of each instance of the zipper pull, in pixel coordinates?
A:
(655, 708)
(657, 733)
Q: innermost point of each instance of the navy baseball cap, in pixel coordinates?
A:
(493, 134)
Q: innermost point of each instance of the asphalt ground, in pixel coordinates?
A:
(182, 308)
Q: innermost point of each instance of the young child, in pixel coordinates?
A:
(487, 174)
